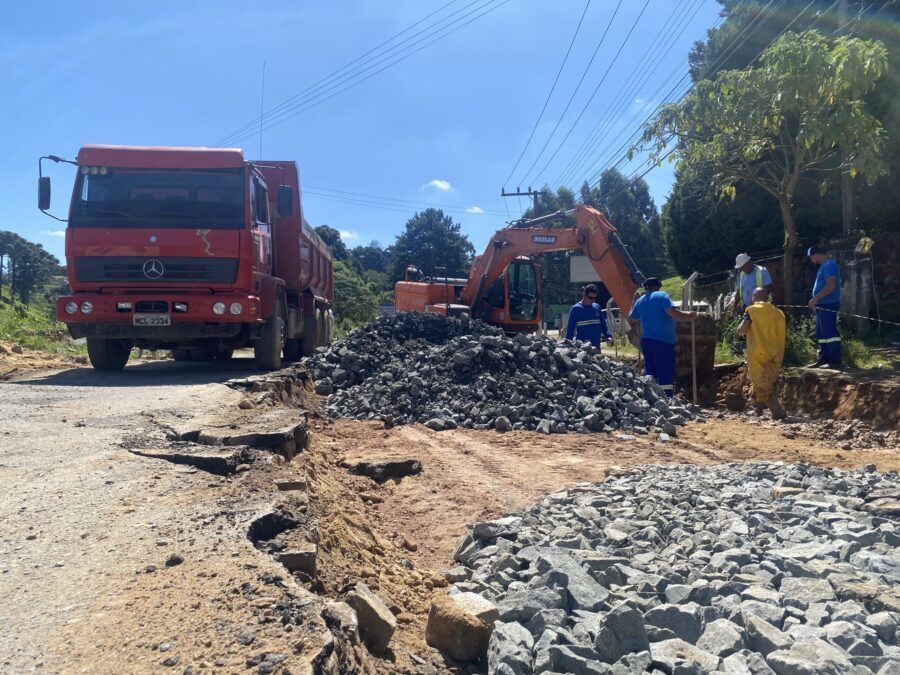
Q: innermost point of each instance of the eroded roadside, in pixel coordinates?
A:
(89, 586)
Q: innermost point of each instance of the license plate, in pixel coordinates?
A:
(152, 320)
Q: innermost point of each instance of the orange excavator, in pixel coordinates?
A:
(504, 285)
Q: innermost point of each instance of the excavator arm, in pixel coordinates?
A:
(593, 234)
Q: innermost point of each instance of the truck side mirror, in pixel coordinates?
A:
(285, 200)
(44, 193)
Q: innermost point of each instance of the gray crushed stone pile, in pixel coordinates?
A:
(456, 372)
(737, 568)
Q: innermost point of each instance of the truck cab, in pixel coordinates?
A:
(174, 248)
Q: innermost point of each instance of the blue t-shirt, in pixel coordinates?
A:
(829, 268)
(650, 310)
(748, 282)
(586, 322)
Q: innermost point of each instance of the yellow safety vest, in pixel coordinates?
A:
(759, 284)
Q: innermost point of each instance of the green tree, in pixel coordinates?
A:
(430, 239)
(28, 265)
(354, 301)
(788, 119)
(371, 257)
(630, 208)
(333, 238)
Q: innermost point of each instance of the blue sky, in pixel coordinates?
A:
(443, 127)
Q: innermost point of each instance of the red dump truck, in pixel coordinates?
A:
(195, 250)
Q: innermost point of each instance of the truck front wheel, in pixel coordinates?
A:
(267, 348)
(108, 355)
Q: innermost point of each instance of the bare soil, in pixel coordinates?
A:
(86, 526)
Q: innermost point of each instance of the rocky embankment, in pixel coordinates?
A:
(738, 568)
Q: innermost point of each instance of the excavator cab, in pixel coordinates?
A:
(513, 301)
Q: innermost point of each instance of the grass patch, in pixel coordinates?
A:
(35, 327)
(672, 286)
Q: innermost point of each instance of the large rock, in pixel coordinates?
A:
(809, 657)
(376, 622)
(764, 638)
(620, 632)
(522, 605)
(678, 656)
(682, 620)
(510, 646)
(460, 625)
(577, 660)
(802, 592)
(721, 637)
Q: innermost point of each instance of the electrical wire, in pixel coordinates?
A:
(307, 192)
(575, 92)
(549, 94)
(662, 43)
(394, 199)
(286, 102)
(354, 78)
(594, 93)
(739, 41)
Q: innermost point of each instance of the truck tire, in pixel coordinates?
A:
(267, 348)
(108, 355)
(293, 350)
(182, 355)
(311, 333)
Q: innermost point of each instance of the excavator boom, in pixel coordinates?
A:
(593, 234)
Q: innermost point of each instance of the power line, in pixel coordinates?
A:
(738, 42)
(552, 89)
(353, 79)
(638, 78)
(393, 206)
(574, 93)
(593, 94)
(390, 199)
(345, 66)
(310, 101)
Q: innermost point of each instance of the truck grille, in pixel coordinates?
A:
(155, 269)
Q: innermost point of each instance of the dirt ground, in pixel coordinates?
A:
(86, 527)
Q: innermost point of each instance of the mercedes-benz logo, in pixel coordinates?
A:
(153, 269)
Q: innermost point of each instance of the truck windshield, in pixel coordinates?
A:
(131, 198)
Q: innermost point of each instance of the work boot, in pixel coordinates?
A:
(778, 412)
(818, 364)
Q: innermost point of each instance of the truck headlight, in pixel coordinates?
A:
(236, 308)
(219, 308)
(71, 307)
(87, 307)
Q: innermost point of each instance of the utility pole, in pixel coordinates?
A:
(533, 194)
(848, 210)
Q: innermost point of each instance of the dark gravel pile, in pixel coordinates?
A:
(448, 373)
(739, 568)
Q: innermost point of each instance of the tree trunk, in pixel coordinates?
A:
(790, 246)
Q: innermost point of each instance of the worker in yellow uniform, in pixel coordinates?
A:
(764, 326)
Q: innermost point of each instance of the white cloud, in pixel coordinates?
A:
(474, 209)
(349, 234)
(438, 184)
(54, 233)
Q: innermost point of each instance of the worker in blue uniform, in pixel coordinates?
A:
(586, 322)
(657, 315)
(825, 302)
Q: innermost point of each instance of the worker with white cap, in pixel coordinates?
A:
(750, 277)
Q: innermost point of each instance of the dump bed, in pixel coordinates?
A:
(302, 259)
